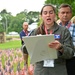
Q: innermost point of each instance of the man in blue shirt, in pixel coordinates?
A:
(23, 33)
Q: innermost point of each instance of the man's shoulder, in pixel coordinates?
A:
(72, 24)
(21, 31)
(72, 27)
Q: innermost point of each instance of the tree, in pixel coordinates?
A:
(58, 2)
(14, 23)
(5, 19)
(1, 28)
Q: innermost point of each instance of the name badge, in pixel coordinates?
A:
(48, 63)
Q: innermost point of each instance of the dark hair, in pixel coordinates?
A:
(48, 5)
(64, 5)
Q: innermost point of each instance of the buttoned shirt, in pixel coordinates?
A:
(71, 27)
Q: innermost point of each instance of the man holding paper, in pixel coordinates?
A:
(62, 43)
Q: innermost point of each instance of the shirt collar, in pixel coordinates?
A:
(65, 24)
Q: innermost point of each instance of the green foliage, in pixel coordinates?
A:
(58, 2)
(1, 28)
(14, 23)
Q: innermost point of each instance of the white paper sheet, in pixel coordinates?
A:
(38, 48)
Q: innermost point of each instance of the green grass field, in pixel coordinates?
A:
(10, 44)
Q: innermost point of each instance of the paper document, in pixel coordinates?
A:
(38, 49)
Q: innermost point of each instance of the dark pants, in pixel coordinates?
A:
(24, 49)
(70, 65)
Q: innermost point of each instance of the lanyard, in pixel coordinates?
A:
(26, 32)
(68, 25)
(47, 31)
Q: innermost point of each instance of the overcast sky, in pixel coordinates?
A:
(16, 6)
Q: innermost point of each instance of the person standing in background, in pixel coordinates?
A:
(63, 43)
(24, 33)
(65, 15)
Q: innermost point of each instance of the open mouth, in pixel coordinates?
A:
(48, 19)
